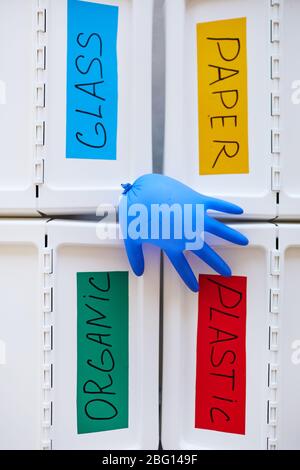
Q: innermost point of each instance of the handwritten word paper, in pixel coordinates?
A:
(221, 354)
(223, 97)
(102, 351)
(92, 81)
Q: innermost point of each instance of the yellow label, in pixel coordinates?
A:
(223, 97)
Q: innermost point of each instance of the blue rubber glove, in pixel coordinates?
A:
(153, 190)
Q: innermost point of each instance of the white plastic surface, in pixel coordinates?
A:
(76, 248)
(289, 338)
(17, 55)
(290, 112)
(20, 333)
(252, 191)
(70, 186)
(180, 332)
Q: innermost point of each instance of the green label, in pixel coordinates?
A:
(102, 351)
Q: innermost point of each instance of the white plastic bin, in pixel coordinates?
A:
(263, 123)
(49, 374)
(289, 207)
(288, 354)
(259, 264)
(51, 50)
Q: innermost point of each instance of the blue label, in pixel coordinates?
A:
(92, 81)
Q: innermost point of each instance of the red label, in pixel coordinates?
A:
(221, 354)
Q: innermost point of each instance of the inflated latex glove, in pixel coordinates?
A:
(137, 220)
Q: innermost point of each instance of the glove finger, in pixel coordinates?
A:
(210, 257)
(221, 206)
(184, 270)
(223, 231)
(135, 256)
